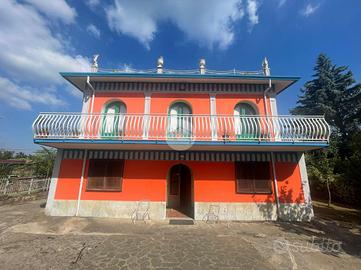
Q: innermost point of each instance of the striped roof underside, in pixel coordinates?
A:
(192, 87)
(292, 157)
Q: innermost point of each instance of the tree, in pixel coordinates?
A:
(43, 161)
(320, 171)
(333, 93)
(5, 169)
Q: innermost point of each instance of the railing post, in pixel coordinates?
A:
(6, 185)
(31, 185)
(146, 116)
(47, 184)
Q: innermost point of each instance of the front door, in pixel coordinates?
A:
(180, 190)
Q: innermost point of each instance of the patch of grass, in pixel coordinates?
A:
(337, 212)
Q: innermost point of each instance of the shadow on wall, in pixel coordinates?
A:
(267, 209)
(290, 209)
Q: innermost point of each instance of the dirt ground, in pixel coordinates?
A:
(31, 240)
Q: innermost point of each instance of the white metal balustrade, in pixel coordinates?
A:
(226, 128)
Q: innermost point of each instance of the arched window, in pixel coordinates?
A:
(113, 119)
(244, 109)
(246, 126)
(180, 121)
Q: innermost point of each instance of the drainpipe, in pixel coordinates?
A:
(93, 95)
(275, 184)
(272, 155)
(81, 182)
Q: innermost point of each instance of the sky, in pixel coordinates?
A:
(39, 39)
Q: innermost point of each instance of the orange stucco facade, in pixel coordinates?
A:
(212, 182)
(134, 101)
(199, 103)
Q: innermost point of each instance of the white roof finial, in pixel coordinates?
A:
(202, 66)
(160, 64)
(94, 66)
(265, 66)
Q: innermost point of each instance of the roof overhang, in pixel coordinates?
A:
(79, 79)
(179, 145)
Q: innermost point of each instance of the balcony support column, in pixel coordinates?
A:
(53, 182)
(213, 110)
(274, 112)
(86, 101)
(147, 102)
(273, 105)
(93, 94)
(305, 187)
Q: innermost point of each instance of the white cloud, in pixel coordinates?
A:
(92, 3)
(23, 97)
(210, 23)
(310, 9)
(30, 53)
(55, 9)
(93, 30)
(252, 8)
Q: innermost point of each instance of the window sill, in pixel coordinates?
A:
(102, 189)
(252, 193)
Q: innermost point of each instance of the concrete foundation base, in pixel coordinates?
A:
(254, 211)
(295, 212)
(202, 210)
(236, 211)
(110, 209)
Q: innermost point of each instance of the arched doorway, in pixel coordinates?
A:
(180, 192)
(113, 121)
(246, 126)
(180, 121)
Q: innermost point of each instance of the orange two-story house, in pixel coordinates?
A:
(199, 143)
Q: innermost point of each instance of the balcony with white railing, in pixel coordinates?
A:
(312, 131)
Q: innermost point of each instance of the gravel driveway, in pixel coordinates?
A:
(31, 240)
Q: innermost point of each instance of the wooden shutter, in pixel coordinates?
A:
(262, 178)
(105, 174)
(253, 177)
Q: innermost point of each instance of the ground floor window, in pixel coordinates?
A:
(105, 175)
(253, 177)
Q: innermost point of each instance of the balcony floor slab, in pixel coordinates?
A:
(181, 145)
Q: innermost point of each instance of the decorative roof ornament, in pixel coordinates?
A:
(94, 66)
(265, 66)
(202, 66)
(160, 64)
